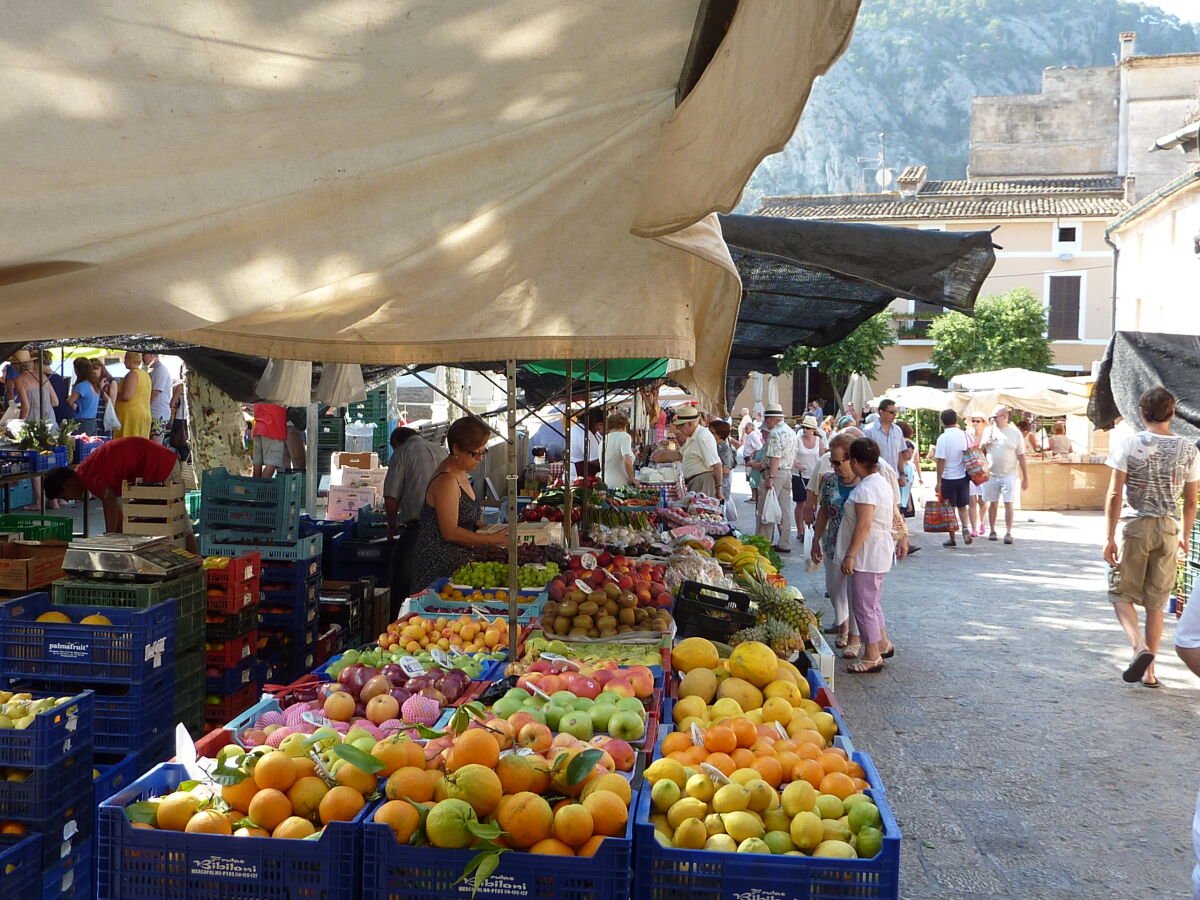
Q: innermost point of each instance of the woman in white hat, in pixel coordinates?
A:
(810, 445)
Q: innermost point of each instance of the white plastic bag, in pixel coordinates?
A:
(287, 382)
(771, 513)
(731, 510)
(341, 383)
(111, 421)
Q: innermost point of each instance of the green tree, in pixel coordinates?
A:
(1007, 331)
(859, 351)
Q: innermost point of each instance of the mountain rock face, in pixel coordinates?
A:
(914, 65)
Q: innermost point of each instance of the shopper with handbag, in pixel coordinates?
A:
(953, 485)
(1005, 449)
(831, 492)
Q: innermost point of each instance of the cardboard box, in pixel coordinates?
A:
(351, 477)
(345, 502)
(30, 564)
(355, 460)
(539, 533)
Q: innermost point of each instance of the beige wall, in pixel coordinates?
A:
(1158, 93)
(1158, 271)
(746, 397)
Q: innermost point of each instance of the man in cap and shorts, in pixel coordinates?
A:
(1005, 448)
(952, 482)
(1151, 470)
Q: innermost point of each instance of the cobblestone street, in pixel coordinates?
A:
(1017, 761)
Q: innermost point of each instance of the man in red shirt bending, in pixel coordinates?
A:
(268, 438)
(107, 468)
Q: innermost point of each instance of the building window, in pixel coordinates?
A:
(915, 324)
(1066, 235)
(1064, 307)
(1067, 238)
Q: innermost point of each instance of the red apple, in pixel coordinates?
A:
(664, 599)
(585, 687)
(641, 679)
(621, 752)
(524, 681)
(550, 683)
(519, 720)
(502, 731)
(535, 736)
(565, 740)
(620, 686)
(603, 676)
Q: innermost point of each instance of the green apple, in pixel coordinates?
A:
(600, 713)
(553, 715)
(583, 704)
(633, 704)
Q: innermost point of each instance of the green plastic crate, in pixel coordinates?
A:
(189, 689)
(38, 528)
(189, 590)
(192, 501)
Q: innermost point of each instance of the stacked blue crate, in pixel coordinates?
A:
(238, 515)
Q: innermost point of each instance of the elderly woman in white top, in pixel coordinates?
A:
(866, 547)
(617, 458)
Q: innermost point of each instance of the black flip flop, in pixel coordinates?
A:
(1152, 684)
(1138, 667)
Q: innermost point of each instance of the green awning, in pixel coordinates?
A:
(614, 370)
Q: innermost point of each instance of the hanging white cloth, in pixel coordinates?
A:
(341, 383)
(287, 382)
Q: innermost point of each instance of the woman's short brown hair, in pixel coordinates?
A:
(467, 433)
(719, 428)
(1157, 405)
(617, 421)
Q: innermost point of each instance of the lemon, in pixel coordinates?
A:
(687, 808)
(730, 798)
(714, 824)
(829, 807)
(671, 769)
(777, 709)
(690, 835)
(836, 849)
(753, 845)
(762, 796)
(776, 820)
(863, 815)
(664, 794)
(807, 831)
(778, 841)
(700, 787)
(742, 825)
(721, 843)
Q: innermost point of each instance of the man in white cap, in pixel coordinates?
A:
(777, 476)
(1005, 449)
(702, 469)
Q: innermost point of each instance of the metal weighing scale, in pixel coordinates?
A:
(128, 557)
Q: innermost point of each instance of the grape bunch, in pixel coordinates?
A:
(495, 575)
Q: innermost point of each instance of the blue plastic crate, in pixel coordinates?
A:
(668, 874)
(392, 871)
(430, 604)
(70, 877)
(20, 494)
(142, 864)
(231, 543)
(369, 524)
(232, 680)
(269, 523)
(350, 571)
(116, 771)
(47, 788)
(275, 575)
(132, 717)
(246, 719)
(20, 866)
(219, 484)
(136, 646)
(65, 831)
(53, 734)
(301, 617)
(349, 550)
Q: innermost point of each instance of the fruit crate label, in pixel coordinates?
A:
(67, 746)
(441, 657)
(70, 830)
(155, 651)
(72, 721)
(412, 666)
(697, 735)
(715, 774)
(224, 867)
(245, 676)
(245, 651)
(554, 657)
(73, 649)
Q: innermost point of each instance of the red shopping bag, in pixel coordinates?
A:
(940, 517)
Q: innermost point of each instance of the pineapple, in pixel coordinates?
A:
(782, 638)
(754, 633)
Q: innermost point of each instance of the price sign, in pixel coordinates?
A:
(457, 651)
(537, 690)
(609, 575)
(441, 657)
(554, 657)
(589, 561)
(583, 586)
(697, 735)
(313, 718)
(782, 731)
(411, 666)
(715, 774)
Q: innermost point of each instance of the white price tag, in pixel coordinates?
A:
(245, 676)
(441, 657)
(155, 651)
(480, 611)
(457, 651)
(72, 722)
(554, 657)
(715, 774)
(583, 586)
(611, 577)
(589, 561)
(411, 666)
(537, 690)
(245, 651)
(697, 735)
(313, 718)
(782, 731)
(70, 830)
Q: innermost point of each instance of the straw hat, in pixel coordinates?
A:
(809, 422)
(687, 414)
(773, 411)
(22, 356)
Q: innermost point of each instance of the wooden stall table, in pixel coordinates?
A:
(1065, 483)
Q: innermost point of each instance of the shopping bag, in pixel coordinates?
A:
(731, 510)
(976, 465)
(940, 516)
(111, 421)
(771, 512)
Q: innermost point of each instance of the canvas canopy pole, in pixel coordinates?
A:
(510, 371)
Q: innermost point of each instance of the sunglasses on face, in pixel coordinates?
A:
(838, 462)
(478, 454)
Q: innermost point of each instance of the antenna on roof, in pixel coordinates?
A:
(884, 175)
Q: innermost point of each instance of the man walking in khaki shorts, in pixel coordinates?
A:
(1151, 469)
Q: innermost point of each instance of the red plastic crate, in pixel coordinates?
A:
(230, 706)
(232, 652)
(238, 582)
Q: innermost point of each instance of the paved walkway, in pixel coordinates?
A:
(1017, 761)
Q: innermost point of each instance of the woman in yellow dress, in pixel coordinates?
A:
(133, 400)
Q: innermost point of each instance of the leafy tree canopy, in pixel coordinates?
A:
(1008, 331)
(859, 351)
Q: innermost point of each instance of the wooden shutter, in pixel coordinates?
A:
(1064, 307)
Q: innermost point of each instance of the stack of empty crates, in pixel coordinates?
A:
(239, 515)
(158, 510)
(331, 439)
(373, 410)
(188, 590)
(232, 673)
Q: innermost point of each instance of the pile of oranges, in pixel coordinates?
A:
(467, 785)
(738, 743)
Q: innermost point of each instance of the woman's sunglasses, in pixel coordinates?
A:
(478, 454)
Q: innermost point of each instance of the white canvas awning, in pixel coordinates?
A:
(1038, 401)
(391, 181)
(1019, 380)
